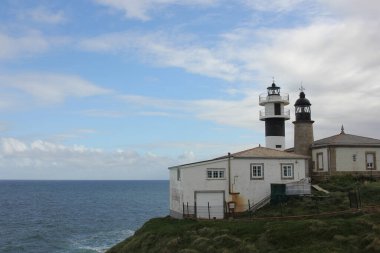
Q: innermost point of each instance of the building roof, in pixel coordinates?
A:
(258, 153)
(261, 152)
(344, 139)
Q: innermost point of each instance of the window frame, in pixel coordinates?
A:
(261, 177)
(374, 160)
(291, 169)
(320, 154)
(215, 174)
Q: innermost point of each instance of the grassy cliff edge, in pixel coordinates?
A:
(350, 232)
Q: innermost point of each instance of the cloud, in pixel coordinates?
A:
(167, 51)
(239, 112)
(274, 5)
(102, 113)
(26, 45)
(44, 15)
(337, 57)
(47, 160)
(51, 88)
(365, 9)
(138, 9)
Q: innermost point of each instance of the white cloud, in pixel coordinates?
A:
(364, 9)
(239, 112)
(42, 14)
(139, 9)
(336, 57)
(32, 43)
(163, 50)
(51, 88)
(46, 160)
(11, 146)
(27, 43)
(273, 5)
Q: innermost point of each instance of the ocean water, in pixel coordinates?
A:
(76, 216)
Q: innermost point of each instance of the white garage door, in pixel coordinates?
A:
(210, 205)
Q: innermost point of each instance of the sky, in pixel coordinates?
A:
(123, 89)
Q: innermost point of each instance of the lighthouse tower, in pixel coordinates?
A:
(303, 126)
(274, 116)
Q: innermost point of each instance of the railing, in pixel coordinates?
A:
(284, 114)
(302, 187)
(265, 98)
(260, 204)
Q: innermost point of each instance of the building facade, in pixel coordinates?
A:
(209, 188)
(346, 154)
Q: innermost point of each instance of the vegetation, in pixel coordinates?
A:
(352, 232)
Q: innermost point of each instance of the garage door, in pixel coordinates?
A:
(210, 205)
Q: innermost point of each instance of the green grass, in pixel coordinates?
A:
(344, 233)
(354, 233)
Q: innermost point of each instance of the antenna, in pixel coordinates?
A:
(302, 88)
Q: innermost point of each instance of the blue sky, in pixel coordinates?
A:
(122, 89)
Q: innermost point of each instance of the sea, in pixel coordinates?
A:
(76, 216)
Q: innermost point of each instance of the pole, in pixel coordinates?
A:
(208, 207)
(249, 208)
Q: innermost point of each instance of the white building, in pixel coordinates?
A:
(240, 181)
(346, 154)
(205, 189)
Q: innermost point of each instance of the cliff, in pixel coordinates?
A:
(353, 231)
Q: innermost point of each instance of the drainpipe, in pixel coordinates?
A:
(229, 173)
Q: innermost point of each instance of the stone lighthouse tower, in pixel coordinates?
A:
(274, 116)
(303, 126)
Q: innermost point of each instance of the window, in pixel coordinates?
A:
(370, 159)
(178, 174)
(277, 109)
(287, 171)
(257, 171)
(354, 157)
(278, 146)
(320, 161)
(215, 173)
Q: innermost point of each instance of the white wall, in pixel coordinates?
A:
(272, 141)
(256, 189)
(194, 178)
(344, 159)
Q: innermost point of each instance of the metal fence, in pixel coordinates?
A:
(302, 187)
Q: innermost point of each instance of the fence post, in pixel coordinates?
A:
(359, 198)
(187, 207)
(249, 208)
(195, 209)
(208, 207)
(183, 209)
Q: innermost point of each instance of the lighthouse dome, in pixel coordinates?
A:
(302, 101)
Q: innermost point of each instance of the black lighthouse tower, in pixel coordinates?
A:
(303, 126)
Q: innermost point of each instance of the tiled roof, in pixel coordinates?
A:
(261, 152)
(344, 139)
(258, 152)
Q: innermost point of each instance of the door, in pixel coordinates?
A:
(210, 204)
